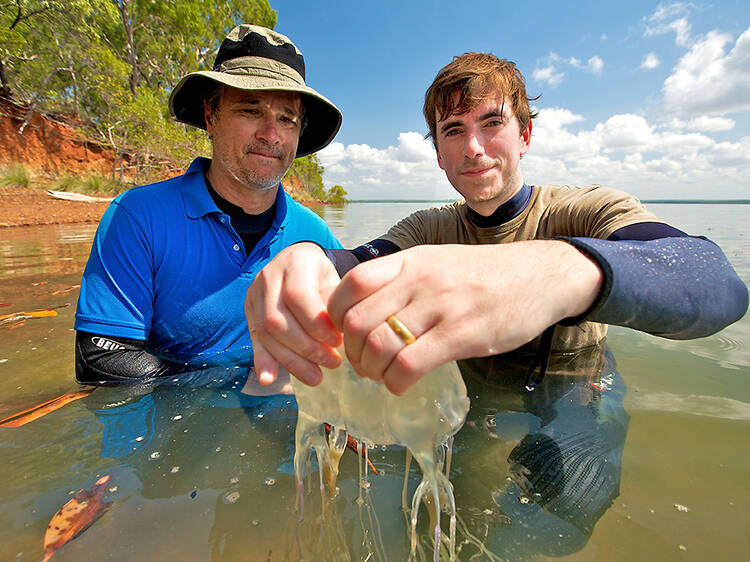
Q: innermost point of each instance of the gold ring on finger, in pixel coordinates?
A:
(400, 329)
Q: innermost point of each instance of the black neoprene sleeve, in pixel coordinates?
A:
(110, 360)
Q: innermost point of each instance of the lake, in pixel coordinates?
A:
(648, 459)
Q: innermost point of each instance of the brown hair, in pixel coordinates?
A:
(470, 79)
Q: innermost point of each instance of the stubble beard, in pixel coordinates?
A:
(250, 177)
(480, 194)
(255, 181)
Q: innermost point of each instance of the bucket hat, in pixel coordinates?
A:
(257, 58)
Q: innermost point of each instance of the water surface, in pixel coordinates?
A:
(206, 474)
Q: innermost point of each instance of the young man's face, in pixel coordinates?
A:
(480, 152)
(255, 135)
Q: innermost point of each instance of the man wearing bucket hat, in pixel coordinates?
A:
(163, 288)
(511, 266)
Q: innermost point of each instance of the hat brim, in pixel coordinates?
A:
(322, 117)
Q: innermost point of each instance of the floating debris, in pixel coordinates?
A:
(35, 412)
(270, 481)
(680, 507)
(177, 417)
(234, 480)
(155, 455)
(139, 438)
(231, 497)
(76, 516)
(175, 469)
(15, 318)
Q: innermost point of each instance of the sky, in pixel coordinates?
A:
(651, 98)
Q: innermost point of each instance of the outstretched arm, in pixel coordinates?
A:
(676, 287)
(459, 301)
(482, 300)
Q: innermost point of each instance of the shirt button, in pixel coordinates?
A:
(236, 248)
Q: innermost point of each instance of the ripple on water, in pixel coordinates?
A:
(699, 405)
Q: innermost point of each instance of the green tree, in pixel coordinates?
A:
(113, 63)
(309, 170)
(337, 194)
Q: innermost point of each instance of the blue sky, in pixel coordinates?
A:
(652, 98)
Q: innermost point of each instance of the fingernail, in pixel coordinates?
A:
(265, 378)
(311, 378)
(335, 340)
(331, 361)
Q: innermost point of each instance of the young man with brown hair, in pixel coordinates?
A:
(511, 265)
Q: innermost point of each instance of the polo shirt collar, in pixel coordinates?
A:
(198, 201)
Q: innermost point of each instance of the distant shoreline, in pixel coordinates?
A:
(650, 201)
(699, 201)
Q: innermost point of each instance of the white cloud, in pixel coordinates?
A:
(704, 123)
(624, 132)
(671, 159)
(709, 80)
(595, 65)
(727, 154)
(406, 170)
(549, 74)
(650, 61)
(667, 18)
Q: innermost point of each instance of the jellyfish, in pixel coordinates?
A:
(423, 420)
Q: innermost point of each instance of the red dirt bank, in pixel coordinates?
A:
(52, 146)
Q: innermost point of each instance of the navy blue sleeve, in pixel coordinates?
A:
(659, 280)
(344, 260)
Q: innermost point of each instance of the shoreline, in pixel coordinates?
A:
(30, 206)
(33, 207)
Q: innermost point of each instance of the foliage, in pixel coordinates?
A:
(113, 63)
(66, 183)
(15, 175)
(100, 184)
(336, 194)
(309, 170)
(93, 184)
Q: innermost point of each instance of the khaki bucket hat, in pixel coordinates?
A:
(257, 58)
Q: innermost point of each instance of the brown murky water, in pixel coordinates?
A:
(643, 460)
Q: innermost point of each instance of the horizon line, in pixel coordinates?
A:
(652, 201)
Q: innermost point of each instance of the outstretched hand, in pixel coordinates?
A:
(459, 301)
(287, 317)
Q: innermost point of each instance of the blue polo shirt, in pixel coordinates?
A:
(167, 267)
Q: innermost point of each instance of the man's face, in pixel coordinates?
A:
(255, 135)
(480, 152)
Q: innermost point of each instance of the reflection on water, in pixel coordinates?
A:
(578, 468)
